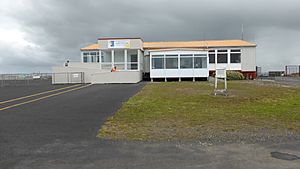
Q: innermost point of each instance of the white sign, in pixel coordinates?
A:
(119, 44)
(76, 75)
(220, 73)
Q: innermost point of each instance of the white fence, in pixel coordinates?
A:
(67, 78)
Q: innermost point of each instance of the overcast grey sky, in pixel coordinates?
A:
(35, 34)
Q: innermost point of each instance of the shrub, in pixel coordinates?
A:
(233, 75)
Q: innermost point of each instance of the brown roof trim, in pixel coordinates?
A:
(197, 47)
(118, 38)
(180, 49)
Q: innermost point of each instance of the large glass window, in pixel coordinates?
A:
(200, 62)
(106, 60)
(106, 57)
(93, 56)
(171, 63)
(235, 58)
(158, 63)
(85, 59)
(132, 60)
(211, 58)
(98, 58)
(186, 62)
(119, 59)
(119, 56)
(222, 58)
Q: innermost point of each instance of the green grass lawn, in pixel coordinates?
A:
(188, 111)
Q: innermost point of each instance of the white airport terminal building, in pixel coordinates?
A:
(135, 59)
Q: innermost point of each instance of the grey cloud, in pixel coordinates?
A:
(60, 28)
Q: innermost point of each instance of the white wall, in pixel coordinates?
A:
(97, 75)
(116, 77)
(147, 64)
(141, 60)
(248, 59)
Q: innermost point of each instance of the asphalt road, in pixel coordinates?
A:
(12, 91)
(60, 132)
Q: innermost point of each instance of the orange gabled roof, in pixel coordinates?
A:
(91, 47)
(198, 44)
(186, 44)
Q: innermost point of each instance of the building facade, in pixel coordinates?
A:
(134, 59)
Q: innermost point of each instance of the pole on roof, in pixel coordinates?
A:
(242, 31)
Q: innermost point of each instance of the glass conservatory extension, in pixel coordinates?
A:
(177, 64)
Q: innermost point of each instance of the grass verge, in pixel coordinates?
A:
(188, 111)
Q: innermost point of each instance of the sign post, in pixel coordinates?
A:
(221, 74)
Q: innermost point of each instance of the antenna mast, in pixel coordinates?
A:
(242, 31)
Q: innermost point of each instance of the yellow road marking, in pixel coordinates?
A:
(44, 97)
(37, 94)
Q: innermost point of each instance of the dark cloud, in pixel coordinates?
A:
(54, 30)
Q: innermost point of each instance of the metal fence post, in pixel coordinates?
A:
(2, 80)
(53, 78)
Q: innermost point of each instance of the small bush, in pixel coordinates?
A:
(233, 75)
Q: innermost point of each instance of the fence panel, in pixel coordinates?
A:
(24, 79)
(67, 78)
(292, 70)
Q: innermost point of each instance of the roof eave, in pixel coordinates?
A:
(203, 47)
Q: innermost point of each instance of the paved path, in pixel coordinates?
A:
(60, 132)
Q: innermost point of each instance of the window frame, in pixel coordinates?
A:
(236, 51)
(186, 56)
(171, 56)
(153, 57)
(222, 52)
(196, 57)
(85, 59)
(213, 56)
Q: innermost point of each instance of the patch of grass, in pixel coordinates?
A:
(187, 110)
